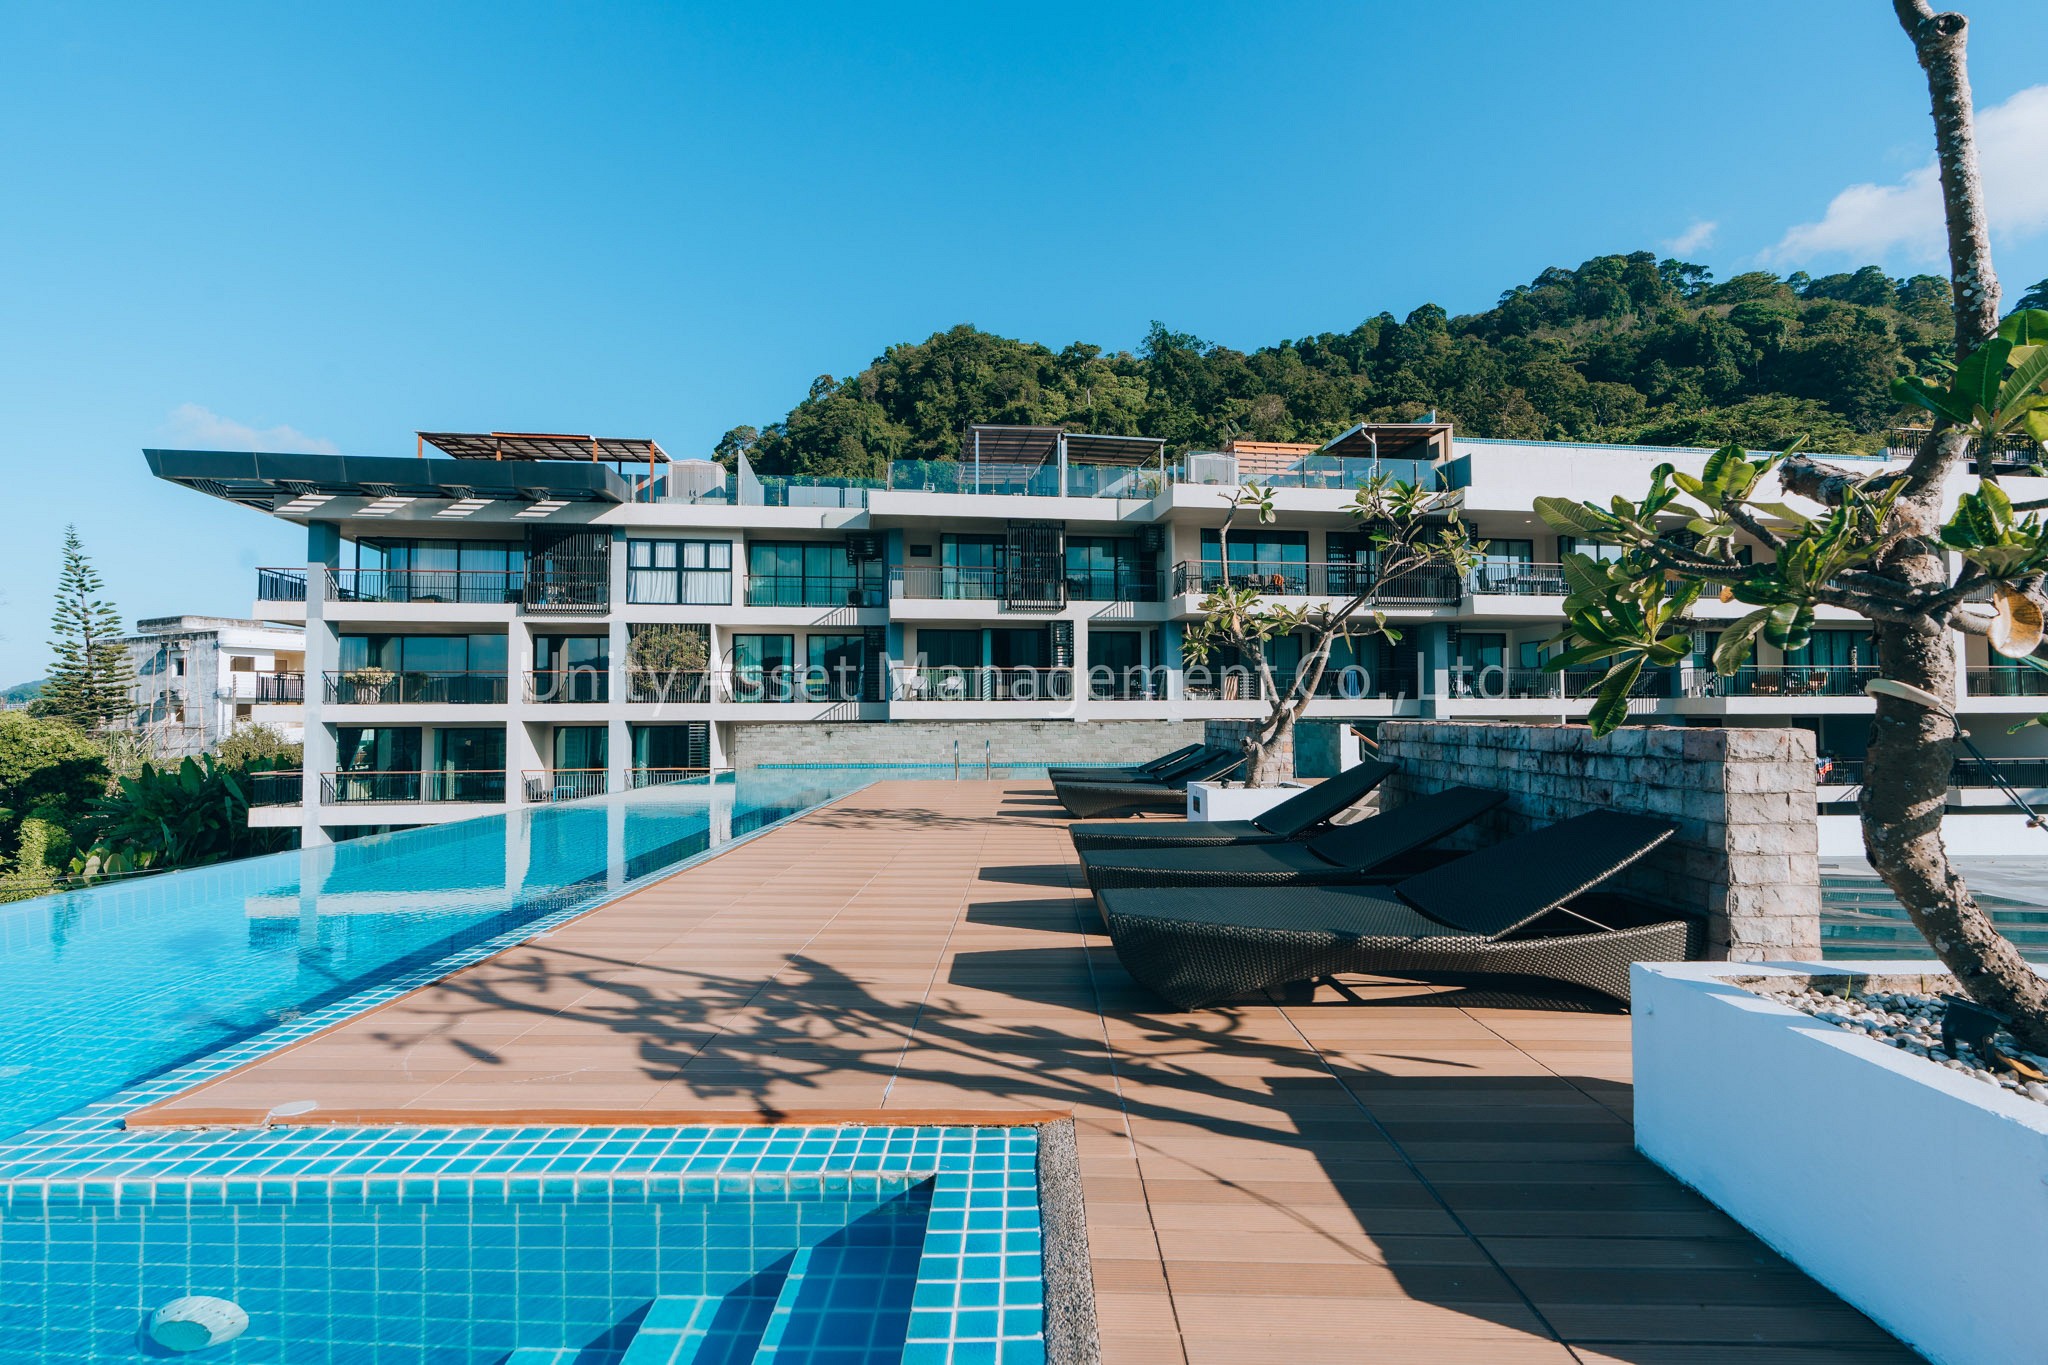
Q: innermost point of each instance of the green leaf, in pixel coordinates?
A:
(2027, 327)
(1940, 402)
(1977, 378)
(1737, 642)
(1573, 517)
(1611, 708)
(2025, 378)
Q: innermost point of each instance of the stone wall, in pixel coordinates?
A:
(1747, 853)
(1010, 742)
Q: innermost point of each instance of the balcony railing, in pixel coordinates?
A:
(1494, 683)
(984, 684)
(2026, 774)
(1516, 578)
(356, 787)
(677, 687)
(270, 689)
(1789, 682)
(954, 583)
(276, 788)
(789, 590)
(494, 587)
(360, 687)
(2016, 681)
(769, 686)
(568, 685)
(565, 784)
(1423, 585)
(280, 585)
(661, 777)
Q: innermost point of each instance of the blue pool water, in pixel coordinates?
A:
(104, 987)
(460, 1275)
(1862, 920)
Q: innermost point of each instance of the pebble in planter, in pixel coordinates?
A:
(1913, 1023)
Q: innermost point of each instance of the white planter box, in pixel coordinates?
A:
(1915, 1192)
(1216, 801)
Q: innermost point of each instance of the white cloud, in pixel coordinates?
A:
(1700, 234)
(1868, 222)
(209, 430)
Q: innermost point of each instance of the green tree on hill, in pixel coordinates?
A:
(1623, 348)
(90, 680)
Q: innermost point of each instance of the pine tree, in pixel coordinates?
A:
(90, 681)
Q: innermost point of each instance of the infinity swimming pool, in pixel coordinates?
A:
(104, 987)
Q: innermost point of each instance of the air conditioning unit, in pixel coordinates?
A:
(1212, 467)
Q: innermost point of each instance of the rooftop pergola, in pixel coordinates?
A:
(1382, 440)
(1019, 449)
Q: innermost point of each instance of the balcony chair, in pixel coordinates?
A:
(1342, 854)
(1526, 907)
(1168, 792)
(1293, 818)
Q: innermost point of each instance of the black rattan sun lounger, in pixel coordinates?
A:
(1525, 907)
(1342, 853)
(1110, 772)
(1090, 800)
(1297, 815)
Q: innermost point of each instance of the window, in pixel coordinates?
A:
(571, 667)
(1109, 569)
(971, 567)
(1276, 560)
(1592, 549)
(799, 573)
(1482, 665)
(581, 748)
(949, 648)
(1116, 664)
(761, 666)
(681, 572)
(437, 571)
(836, 667)
(469, 765)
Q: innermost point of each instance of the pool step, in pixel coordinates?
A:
(678, 1331)
(543, 1355)
(785, 1307)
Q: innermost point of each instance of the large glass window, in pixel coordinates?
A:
(971, 567)
(1109, 569)
(836, 667)
(1275, 561)
(435, 571)
(761, 666)
(1026, 647)
(949, 648)
(581, 748)
(1482, 665)
(457, 669)
(382, 749)
(805, 574)
(469, 765)
(1592, 549)
(684, 572)
(1116, 663)
(571, 667)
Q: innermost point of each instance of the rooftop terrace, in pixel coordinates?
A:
(1394, 1173)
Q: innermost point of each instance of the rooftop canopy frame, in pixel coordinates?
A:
(616, 451)
(988, 446)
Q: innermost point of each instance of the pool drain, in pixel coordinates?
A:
(196, 1322)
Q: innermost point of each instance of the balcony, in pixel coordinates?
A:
(568, 685)
(406, 788)
(984, 684)
(662, 777)
(2024, 774)
(671, 688)
(279, 689)
(1513, 578)
(1789, 683)
(547, 785)
(1494, 683)
(382, 687)
(789, 686)
(276, 788)
(491, 587)
(280, 585)
(2017, 680)
(1424, 585)
(789, 590)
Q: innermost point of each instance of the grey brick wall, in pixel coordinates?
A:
(1010, 742)
(1747, 854)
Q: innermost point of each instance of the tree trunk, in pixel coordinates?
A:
(1269, 751)
(1907, 768)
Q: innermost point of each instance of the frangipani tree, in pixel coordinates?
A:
(1922, 552)
(1409, 528)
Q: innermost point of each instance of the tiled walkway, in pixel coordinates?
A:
(1410, 1175)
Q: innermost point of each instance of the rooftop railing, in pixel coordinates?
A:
(383, 687)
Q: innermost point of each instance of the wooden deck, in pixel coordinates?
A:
(1405, 1175)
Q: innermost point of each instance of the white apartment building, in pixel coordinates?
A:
(198, 677)
(525, 618)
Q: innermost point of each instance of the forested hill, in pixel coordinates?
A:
(1624, 348)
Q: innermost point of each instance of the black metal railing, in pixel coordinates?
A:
(984, 684)
(1515, 578)
(793, 590)
(2018, 680)
(473, 586)
(280, 585)
(568, 685)
(672, 687)
(355, 787)
(565, 784)
(382, 687)
(277, 788)
(1789, 681)
(1115, 585)
(1423, 585)
(946, 582)
(791, 685)
(2028, 774)
(1495, 683)
(280, 688)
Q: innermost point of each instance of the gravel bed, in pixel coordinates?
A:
(1912, 1023)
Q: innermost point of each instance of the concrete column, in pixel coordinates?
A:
(522, 754)
(323, 651)
(1080, 681)
(618, 755)
(1433, 659)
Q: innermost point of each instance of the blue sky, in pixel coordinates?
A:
(291, 227)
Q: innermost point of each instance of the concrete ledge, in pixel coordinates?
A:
(1915, 1192)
